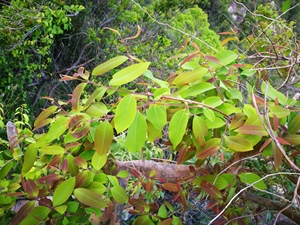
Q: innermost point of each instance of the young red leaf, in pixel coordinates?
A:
(31, 188)
(171, 187)
(211, 189)
(23, 212)
(76, 95)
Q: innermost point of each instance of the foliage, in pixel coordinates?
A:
(202, 115)
(28, 33)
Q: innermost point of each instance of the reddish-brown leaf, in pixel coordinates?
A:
(167, 221)
(23, 212)
(207, 152)
(76, 95)
(267, 142)
(64, 166)
(171, 187)
(79, 161)
(135, 173)
(183, 200)
(195, 45)
(181, 154)
(48, 178)
(275, 122)
(282, 141)
(81, 178)
(211, 189)
(189, 58)
(212, 59)
(277, 156)
(31, 188)
(55, 161)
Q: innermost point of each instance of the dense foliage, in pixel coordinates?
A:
(159, 127)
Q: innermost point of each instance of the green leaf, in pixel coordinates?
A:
(97, 109)
(225, 56)
(129, 74)
(103, 138)
(292, 139)
(286, 5)
(97, 94)
(6, 168)
(119, 194)
(52, 150)
(162, 212)
(125, 113)
(209, 114)
(61, 209)
(273, 93)
(157, 115)
(208, 148)
(237, 121)
(279, 111)
(238, 144)
(123, 174)
(97, 187)
(197, 89)
(152, 132)
(23, 213)
(190, 76)
(136, 135)
(30, 157)
(98, 161)
(89, 198)
(213, 101)
(143, 220)
(161, 83)
(109, 65)
(57, 128)
(177, 127)
(38, 214)
(199, 129)
(217, 123)
(250, 178)
(294, 125)
(63, 192)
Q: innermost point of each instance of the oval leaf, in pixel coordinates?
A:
(125, 113)
(52, 150)
(98, 161)
(157, 115)
(89, 198)
(238, 144)
(119, 194)
(199, 129)
(177, 127)
(109, 65)
(190, 76)
(129, 74)
(29, 158)
(250, 178)
(63, 191)
(103, 137)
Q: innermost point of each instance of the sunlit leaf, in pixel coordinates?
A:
(57, 128)
(52, 150)
(63, 191)
(97, 109)
(97, 187)
(103, 137)
(98, 161)
(252, 129)
(197, 89)
(177, 127)
(250, 178)
(119, 194)
(125, 113)
(143, 220)
(89, 198)
(238, 144)
(136, 135)
(273, 93)
(72, 167)
(279, 111)
(157, 115)
(129, 74)
(209, 114)
(190, 76)
(213, 101)
(162, 212)
(45, 114)
(96, 95)
(237, 121)
(292, 139)
(76, 95)
(29, 158)
(109, 65)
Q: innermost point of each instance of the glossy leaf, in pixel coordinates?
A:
(238, 144)
(136, 135)
(119, 194)
(98, 161)
(125, 113)
(38, 214)
(190, 76)
(96, 95)
(89, 198)
(157, 115)
(29, 158)
(103, 137)
(129, 74)
(213, 101)
(109, 65)
(97, 187)
(57, 128)
(273, 93)
(250, 178)
(63, 192)
(199, 129)
(97, 109)
(210, 147)
(237, 121)
(52, 150)
(177, 126)
(209, 114)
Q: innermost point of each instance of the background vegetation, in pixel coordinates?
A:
(205, 92)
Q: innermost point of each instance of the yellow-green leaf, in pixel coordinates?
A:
(157, 115)
(63, 191)
(109, 65)
(119, 194)
(250, 178)
(57, 128)
(294, 125)
(238, 144)
(190, 76)
(103, 137)
(177, 127)
(97, 109)
(199, 129)
(89, 198)
(136, 135)
(125, 113)
(98, 161)
(53, 150)
(29, 158)
(129, 74)
(273, 93)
